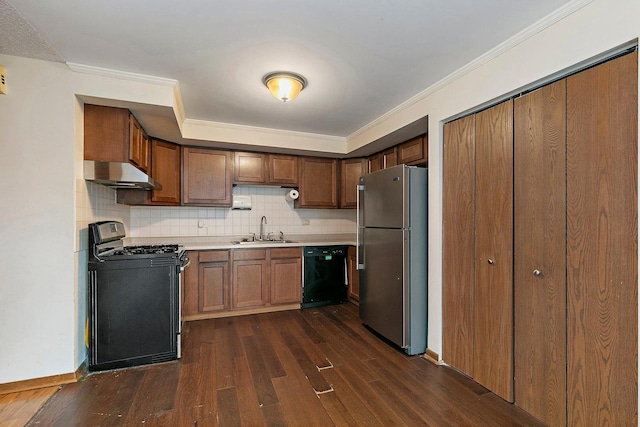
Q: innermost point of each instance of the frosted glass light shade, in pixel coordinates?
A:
(284, 86)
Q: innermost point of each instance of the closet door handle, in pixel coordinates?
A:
(537, 272)
(490, 261)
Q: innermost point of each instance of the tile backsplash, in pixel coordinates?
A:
(266, 201)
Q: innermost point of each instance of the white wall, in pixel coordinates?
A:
(42, 235)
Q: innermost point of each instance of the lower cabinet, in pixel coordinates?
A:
(353, 275)
(286, 276)
(220, 283)
(250, 278)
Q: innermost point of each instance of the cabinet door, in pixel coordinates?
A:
(318, 183)
(458, 258)
(214, 286)
(353, 275)
(374, 163)
(390, 157)
(283, 169)
(602, 246)
(352, 170)
(139, 145)
(250, 168)
(413, 152)
(540, 257)
(250, 278)
(206, 177)
(190, 286)
(286, 278)
(106, 133)
(166, 171)
(493, 337)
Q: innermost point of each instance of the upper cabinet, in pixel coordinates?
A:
(114, 135)
(165, 171)
(351, 171)
(207, 177)
(250, 168)
(413, 152)
(262, 168)
(318, 183)
(389, 157)
(283, 169)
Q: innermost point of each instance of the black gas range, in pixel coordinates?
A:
(134, 299)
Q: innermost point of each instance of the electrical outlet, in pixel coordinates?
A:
(306, 222)
(3, 81)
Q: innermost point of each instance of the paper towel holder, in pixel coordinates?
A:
(292, 195)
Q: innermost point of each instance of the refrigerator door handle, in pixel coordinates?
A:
(359, 230)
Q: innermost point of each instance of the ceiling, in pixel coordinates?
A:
(362, 58)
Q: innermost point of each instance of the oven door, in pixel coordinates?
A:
(134, 312)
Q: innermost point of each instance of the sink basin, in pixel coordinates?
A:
(260, 242)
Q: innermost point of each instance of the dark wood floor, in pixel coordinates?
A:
(299, 368)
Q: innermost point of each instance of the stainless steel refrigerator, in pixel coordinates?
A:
(392, 255)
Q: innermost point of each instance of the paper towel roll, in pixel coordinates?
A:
(292, 195)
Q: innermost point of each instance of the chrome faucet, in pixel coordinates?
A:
(263, 221)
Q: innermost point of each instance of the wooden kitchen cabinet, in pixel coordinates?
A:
(213, 281)
(374, 163)
(283, 170)
(139, 145)
(318, 183)
(206, 284)
(351, 171)
(389, 157)
(250, 278)
(353, 275)
(285, 275)
(263, 168)
(190, 288)
(113, 134)
(207, 177)
(165, 171)
(413, 152)
(250, 168)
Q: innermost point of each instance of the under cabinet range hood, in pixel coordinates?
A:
(118, 175)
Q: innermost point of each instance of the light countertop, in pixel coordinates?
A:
(198, 243)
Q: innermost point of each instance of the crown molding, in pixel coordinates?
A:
(123, 75)
(488, 56)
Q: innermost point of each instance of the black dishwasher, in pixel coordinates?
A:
(325, 276)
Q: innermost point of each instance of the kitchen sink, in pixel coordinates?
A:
(260, 242)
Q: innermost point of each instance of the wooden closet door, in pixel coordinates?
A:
(493, 337)
(540, 253)
(459, 243)
(602, 275)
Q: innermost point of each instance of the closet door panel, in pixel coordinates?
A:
(459, 243)
(602, 275)
(540, 252)
(493, 337)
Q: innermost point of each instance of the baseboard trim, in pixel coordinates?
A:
(432, 357)
(54, 380)
(241, 312)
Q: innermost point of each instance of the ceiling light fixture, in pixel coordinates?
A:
(283, 85)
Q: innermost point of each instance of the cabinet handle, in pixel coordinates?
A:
(490, 261)
(537, 272)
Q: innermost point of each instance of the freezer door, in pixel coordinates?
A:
(385, 196)
(382, 291)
